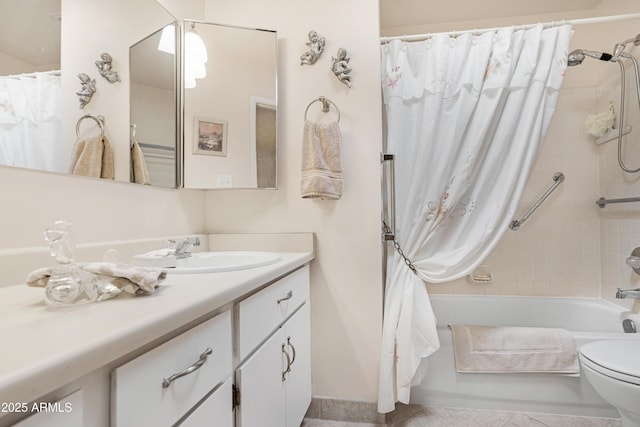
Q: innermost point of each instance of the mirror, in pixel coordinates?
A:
(30, 81)
(230, 107)
(36, 67)
(153, 109)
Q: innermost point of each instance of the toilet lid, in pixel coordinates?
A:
(615, 356)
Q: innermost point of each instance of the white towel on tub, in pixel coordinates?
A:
(511, 349)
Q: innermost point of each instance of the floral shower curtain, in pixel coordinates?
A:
(30, 121)
(465, 120)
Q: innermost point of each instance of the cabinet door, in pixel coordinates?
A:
(298, 380)
(216, 411)
(263, 312)
(259, 379)
(66, 412)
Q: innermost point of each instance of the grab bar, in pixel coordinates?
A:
(602, 202)
(558, 177)
(388, 186)
(390, 227)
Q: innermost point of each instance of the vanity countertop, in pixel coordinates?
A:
(44, 348)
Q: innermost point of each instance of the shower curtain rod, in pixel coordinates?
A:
(583, 21)
(16, 76)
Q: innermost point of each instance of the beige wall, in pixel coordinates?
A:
(346, 277)
(101, 210)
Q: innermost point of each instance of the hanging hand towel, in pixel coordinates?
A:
(321, 161)
(92, 157)
(139, 172)
(87, 157)
(107, 160)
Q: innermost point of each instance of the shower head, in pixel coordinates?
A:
(577, 56)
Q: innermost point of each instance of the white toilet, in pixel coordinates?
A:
(613, 369)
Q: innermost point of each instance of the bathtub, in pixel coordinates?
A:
(588, 319)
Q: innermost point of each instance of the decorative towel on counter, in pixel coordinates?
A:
(321, 161)
(92, 157)
(133, 280)
(510, 349)
(139, 172)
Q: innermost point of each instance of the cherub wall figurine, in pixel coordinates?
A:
(87, 90)
(316, 47)
(341, 67)
(104, 68)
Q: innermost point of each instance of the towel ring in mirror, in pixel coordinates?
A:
(325, 106)
(99, 120)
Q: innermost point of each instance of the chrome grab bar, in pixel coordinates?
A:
(602, 202)
(558, 177)
(389, 233)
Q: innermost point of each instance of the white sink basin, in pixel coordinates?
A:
(212, 262)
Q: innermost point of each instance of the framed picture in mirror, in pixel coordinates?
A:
(210, 137)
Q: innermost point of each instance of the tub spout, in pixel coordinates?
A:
(628, 293)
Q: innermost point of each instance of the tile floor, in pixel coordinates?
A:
(419, 416)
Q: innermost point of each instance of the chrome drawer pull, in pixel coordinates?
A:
(286, 371)
(286, 297)
(166, 382)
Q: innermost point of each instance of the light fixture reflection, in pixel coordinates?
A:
(168, 40)
(195, 58)
(195, 53)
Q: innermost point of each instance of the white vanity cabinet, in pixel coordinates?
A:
(184, 357)
(66, 412)
(163, 385)
(274, 376)
(215, 411)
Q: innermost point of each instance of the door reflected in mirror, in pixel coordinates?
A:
(230, 76)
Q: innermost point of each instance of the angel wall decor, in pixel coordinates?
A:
(104, 68)
(341, 67)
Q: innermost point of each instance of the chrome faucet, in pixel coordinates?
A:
(628, 293)
(185, 246)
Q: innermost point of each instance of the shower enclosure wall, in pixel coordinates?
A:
(570, 247)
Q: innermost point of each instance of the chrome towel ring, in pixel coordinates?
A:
(326, 102)
(99, 120)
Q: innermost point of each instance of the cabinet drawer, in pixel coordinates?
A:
(140, 394)
(263, 312)
(216, 411)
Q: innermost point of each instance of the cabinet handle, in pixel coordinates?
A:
(286, 371)
(166, 382)
(293, 358)
(286, 297)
